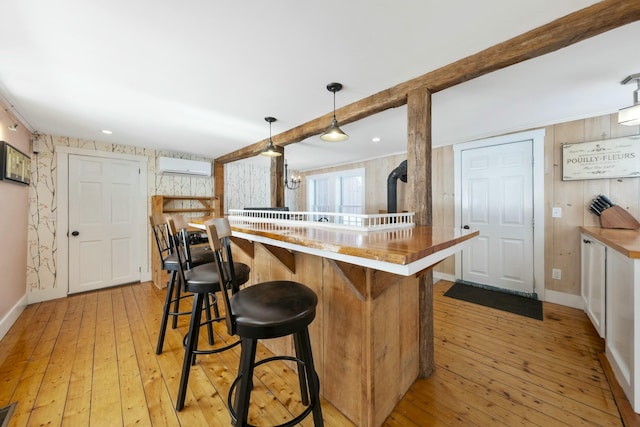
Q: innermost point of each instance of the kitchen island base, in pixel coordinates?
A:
(365, 336)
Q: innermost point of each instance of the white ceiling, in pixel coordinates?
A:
(200, 76)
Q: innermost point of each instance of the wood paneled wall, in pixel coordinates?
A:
(562, 236)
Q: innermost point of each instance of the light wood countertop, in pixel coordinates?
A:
(403, 251)
(626, 242)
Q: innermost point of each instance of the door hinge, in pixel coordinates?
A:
(139, 269)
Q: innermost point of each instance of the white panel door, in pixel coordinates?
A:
(497, 200)
(103, 243)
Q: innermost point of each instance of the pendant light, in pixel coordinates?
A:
(630, 116)
(333, 132)
(270, 149)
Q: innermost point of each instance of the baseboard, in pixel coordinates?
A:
(10, 318)
(46, 295)
(437, 276)
(145, 277)
(569, 300)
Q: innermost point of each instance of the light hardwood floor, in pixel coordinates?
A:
(89, 359)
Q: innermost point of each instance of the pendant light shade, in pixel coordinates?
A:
(270, 150)
(630, 116)
(333, 132)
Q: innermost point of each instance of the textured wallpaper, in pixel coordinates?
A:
(41, 263)
(246, 185)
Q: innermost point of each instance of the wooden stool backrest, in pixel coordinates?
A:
(218, 232)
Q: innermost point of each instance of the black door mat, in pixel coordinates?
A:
(512, 303)
(5, 414)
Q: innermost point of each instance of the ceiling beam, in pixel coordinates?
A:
(570, 29)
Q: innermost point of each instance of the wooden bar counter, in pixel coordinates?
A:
(365, 337)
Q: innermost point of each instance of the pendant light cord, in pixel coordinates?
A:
(334, 105)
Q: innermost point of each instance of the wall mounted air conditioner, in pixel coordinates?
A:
(183, 166)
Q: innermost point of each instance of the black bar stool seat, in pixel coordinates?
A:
(273, 309)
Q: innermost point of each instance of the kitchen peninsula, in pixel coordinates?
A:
(365, 337)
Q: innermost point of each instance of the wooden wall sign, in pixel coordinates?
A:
(610, 158)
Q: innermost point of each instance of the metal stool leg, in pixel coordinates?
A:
(165, 312)
(192, 340)
(245, 371)
(208, 317)
(176, 302)
(304, 392)
(312, 376)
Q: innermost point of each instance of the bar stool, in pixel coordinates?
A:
(169, 239)
(169, 260)
(203, 281)
(266, 310)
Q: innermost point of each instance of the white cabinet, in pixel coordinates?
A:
(611, 291)
(593, 257)
(623, 336)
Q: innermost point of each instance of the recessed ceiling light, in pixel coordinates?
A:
(375, 139)
(106, 132)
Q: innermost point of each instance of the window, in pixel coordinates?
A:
(336, 192)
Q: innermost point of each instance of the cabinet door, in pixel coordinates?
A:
(620, 319)
(593, 281)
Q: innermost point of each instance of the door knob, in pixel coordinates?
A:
(466, 227)
(75, 233)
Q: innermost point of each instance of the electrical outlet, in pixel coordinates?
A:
(556, 212)
(556, 274)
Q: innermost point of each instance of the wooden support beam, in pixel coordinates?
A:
(285, 256)
(381, 281)
(245, 245)
(218, 185)
(365, 283)
(419, 190)
(419, 155)
(354, 276)
(277, 181)
(565, 31)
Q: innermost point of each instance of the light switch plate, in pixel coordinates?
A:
(556, 212)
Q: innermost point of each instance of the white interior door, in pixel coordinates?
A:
(103, 229)
(497, 200)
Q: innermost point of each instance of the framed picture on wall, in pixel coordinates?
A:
(14, 165)
(609, 158)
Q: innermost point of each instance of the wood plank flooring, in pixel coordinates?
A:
(89, 360)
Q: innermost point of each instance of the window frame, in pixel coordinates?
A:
(336, 189)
